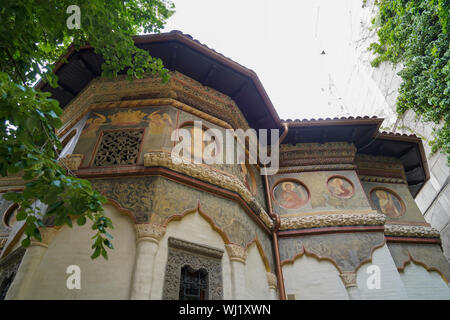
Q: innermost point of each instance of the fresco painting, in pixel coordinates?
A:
(387, 203)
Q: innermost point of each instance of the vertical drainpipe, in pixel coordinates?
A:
(276, 219)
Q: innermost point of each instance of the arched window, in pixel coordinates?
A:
(193, 284)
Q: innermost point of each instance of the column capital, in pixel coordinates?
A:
(272, 280)
(349, 279)
(149, 232)
(47, 235)
(236, 252)
(72, 161)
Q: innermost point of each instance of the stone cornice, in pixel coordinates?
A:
(308, 154)
(319, 167)
(401, 230)
(382, 179)
(103, 92)
(332, 220)
(208, 174)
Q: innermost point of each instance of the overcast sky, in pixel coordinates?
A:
(281, 41)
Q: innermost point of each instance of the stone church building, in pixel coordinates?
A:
(337, 221)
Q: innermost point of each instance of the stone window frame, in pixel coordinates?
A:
(182, 253)
(10, 264)
(100, 140)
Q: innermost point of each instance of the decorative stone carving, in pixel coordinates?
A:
(72, 161)
(307, 154)
(318, 167)
(332, 220)
(119, 147)
(381, 179)
(349, 279)
(207, 174)
(149, 232)
(401, 230)
(47, 235)
(182, 253)
(236, 252)
(272, 280)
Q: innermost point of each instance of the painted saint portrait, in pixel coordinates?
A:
(290, 194)
(340, 187)
(387, 203)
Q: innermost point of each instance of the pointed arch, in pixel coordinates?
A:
(261, 252)
(205, 216)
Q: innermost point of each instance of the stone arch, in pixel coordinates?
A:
(309, 276)
(423, 282)
(194, 226)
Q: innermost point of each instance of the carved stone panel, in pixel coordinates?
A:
(182, 253)
(119, 147)
(8, 269)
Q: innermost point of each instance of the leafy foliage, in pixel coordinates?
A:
(415, 33)
(33, 35)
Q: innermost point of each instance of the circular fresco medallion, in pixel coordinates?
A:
(248, 178)
(290, 194)
(340, 187)
(387, 202)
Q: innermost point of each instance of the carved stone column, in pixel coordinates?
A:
(30, 263)
(147, 242)
(238, 257)
(349, 280)
(272, 281)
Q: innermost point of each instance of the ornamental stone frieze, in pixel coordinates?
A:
(307, 154)
(149, 231)
(236, 252)
(401, 230)
(372, 218)
(207, 174)
(381, 179)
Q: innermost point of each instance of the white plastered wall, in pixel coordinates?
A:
(256, 284)
(391, 285)
(100, 279)
(310, 278)
(422, 284)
